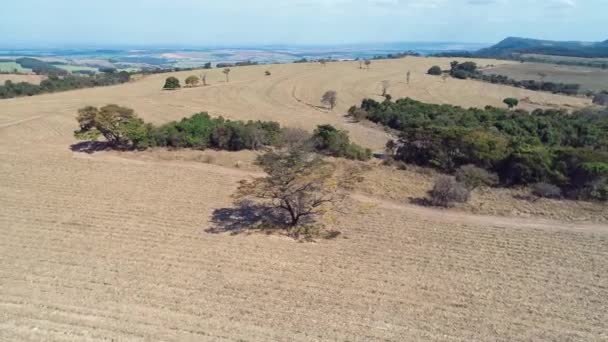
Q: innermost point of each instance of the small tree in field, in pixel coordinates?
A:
(367, 63)
(435, 71)
(329, 99)
(300, 185)
(204, 79)
(226, 72)
(323, 62)
(172, 83)
(192, 81)
(511, 102)
(408, 76)
(385, 85)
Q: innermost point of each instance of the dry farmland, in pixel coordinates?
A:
(113, 246)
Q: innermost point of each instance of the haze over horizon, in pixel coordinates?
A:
(300, 22)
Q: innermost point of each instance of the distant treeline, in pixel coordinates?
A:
(40, 67)
(520, 58)
(237, 64)
(56, 83)
(544, 146)
(469, 70)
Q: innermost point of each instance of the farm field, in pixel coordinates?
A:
(113, 246)
(12, 66)
(34, 79)
(589, 78)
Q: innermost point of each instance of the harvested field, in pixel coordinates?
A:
(112, 246)
(34, 79)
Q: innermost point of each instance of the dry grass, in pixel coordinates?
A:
(34, 79)
(108, 246)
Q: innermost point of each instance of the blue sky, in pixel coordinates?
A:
(251, 22)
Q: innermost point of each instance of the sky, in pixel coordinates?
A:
(294, 22)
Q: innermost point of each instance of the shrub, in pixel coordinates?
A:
(171, 83)
(192, 81)
(330, 141)
(546, 190)
(267, 73)
(601, 99)
(511, 102)
(435, 70)
(358, 114)
(447, 191)
(473, 177)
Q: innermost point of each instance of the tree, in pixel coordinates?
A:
(207, 65)
(444, 77)
(435, 71)
(300, 185)
(118, 125)
(330, 98)
(192, 81)
(226, 72)
(385, 85)
(267, 73)
(367, 63)
(172, 83)
(204, 79)
(323, 61)
(408, 76)
(511, 102)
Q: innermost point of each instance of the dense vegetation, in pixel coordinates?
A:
(56, 84)
(40, 67)
(469, 70)
(550, 146)
(123, 129)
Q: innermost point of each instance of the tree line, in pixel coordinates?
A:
(123, 129)
(569, 151)
(55, 83)
(469, 70)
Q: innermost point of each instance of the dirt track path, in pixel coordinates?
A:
(456, 217)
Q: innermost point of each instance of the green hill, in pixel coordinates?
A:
(513, 46)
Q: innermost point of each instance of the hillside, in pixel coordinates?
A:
(121, 245)
(514, 45)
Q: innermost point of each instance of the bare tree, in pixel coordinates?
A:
(385, 85)
(323, 62)
(330, 98)
(408, 76)
(299, 184)
(360, 64)
(367, 63)
(227, 72)
(204, 79)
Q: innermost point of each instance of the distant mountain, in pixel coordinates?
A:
(513, 46)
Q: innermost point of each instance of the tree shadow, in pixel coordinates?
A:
(245, 217)
(90, 147)
(421, 201)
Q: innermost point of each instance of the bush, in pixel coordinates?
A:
(447, 191)
(473, 177)
(192, 81)
(267, 73)
(333, 142)
(546, 190)
(172, 83)
(511, 102)
(435, 70)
